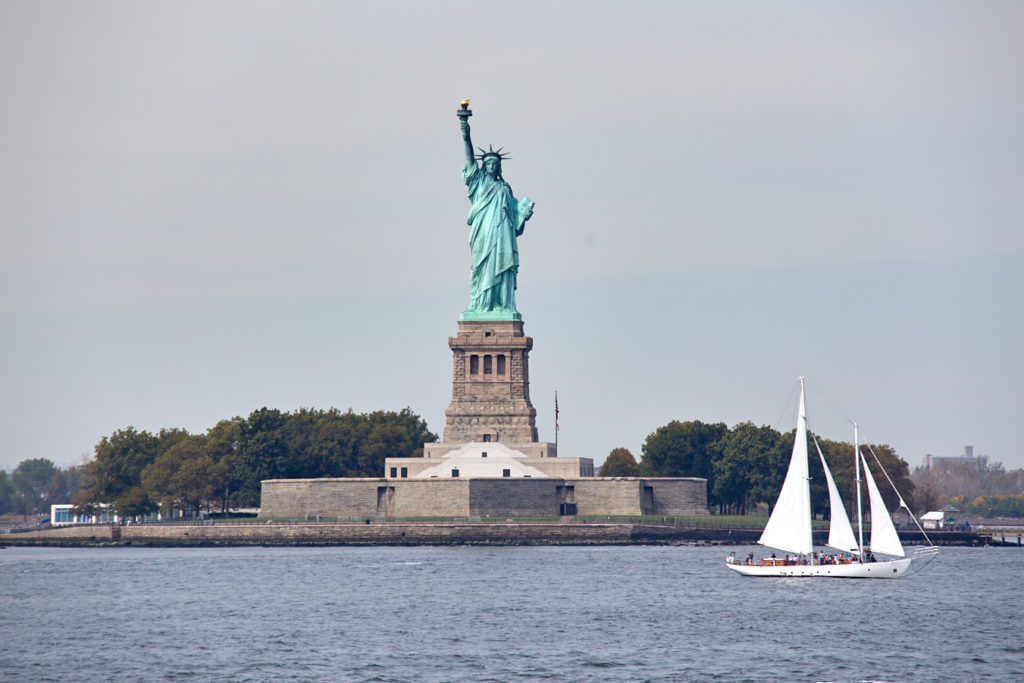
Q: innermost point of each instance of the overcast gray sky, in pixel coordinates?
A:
(210, 207)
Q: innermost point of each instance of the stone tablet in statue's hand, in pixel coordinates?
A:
(525, 208)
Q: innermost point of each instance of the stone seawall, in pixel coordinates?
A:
(389, 533)
(419, 533)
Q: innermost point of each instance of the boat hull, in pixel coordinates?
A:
(888, 569)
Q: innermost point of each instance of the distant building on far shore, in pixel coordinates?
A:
(930, 460)
(64, 514)
(941, 519)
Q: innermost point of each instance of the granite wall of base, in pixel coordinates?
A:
(460, 497)
(515, 497)
(606, 496)
(309, 498)
(677, 496)
(428, 498)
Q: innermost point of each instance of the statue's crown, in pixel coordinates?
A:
(491, 152)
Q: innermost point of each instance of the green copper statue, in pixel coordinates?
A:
(496, 218)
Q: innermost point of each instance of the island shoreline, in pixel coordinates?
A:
(509, 533)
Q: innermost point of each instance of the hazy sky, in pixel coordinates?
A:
(210, 207)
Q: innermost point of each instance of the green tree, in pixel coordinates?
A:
(262, 454)
(680, 449)
(117, 466)
(167, 438)
(313, 443)
(748, 464)
(619, 463)
(185, 477)
(222, 444)
(237, 454)
(134, 502)
(335, 443)
(391, 435)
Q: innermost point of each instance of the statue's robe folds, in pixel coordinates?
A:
(495, 219)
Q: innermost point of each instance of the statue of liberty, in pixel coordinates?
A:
(496, 219)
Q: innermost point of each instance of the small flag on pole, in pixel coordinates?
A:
(556, 412)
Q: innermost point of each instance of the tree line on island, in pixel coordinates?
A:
(139, 472)
(746, 465)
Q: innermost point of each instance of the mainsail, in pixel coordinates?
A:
(840, 533)
(884, 538)
(789, 527)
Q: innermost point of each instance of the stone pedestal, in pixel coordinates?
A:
(490, 384)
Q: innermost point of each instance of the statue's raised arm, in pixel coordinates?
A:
(467, 141)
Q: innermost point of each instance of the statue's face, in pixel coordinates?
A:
(491, 166)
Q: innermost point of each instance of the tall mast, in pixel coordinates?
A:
(860, 517)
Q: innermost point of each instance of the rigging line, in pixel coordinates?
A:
(785, 407)
(833, 405)
(903, 503)
(867, 442)
(922, 559)
(887, 477)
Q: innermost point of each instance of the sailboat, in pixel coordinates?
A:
(789, 527)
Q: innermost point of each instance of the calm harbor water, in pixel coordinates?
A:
(496, 614)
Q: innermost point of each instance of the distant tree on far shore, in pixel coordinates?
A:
(990, 506)
(979, 488)
(8, 499)
(619, 463)
(38, 483)
(980, 477)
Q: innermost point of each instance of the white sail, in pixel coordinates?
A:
(840, 533)
(789, 527)
(884, 538)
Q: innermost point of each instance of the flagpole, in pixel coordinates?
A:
(556, 422)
